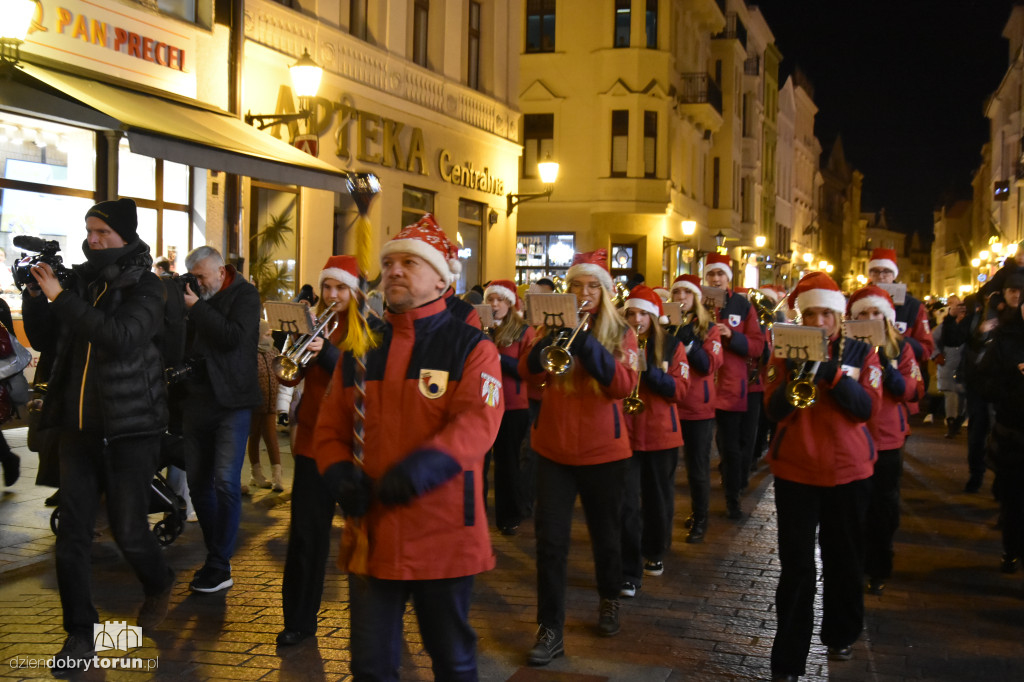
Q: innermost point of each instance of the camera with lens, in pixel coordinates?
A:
(46, 252)
(189, 279)
(188, 369)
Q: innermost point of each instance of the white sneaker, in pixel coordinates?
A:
(929, 419)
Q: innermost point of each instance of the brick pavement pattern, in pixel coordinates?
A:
(947, 613)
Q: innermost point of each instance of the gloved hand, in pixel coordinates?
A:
(351, 487)
(395, 487)
(419, 473)
(594, 357)
(827, 371)
(686, 335)
(659, 381)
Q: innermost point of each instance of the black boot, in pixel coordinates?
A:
(958, 425)
(12, 467)
(697, 531)
(950, 427)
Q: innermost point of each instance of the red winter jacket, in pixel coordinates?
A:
(462, 310)
(433, 398)
(828, 443)
(513, 387)
(901, 382)
(314, 384)
(657, 427)
(747, 341)
(581, 420)
(705, 359)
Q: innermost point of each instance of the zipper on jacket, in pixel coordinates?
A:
(85, 371)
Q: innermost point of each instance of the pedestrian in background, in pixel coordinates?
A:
(949, 338)
(263, 426)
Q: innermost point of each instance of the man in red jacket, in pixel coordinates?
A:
(432, 410)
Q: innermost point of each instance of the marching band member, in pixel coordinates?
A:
(742, 339)
(901, 383)
(312, 508)
(702, 341)
(655, 437)
(584, 450)
(512, 336)
(822, 457)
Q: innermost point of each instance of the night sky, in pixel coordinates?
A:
(904, 83)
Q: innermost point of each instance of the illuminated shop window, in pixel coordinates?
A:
(542, 254)
(273, 240)
(470, 241)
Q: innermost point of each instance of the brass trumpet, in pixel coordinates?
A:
(633, 404)
(289, 366)
(556, 358)
(801, 392)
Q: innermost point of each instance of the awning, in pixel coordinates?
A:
(165, 129)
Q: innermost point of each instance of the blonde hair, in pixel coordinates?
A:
(359, 338)
(892, 340)
(702, 317)
(655, 334)
(510, 329)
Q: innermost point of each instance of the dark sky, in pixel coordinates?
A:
(904, 82)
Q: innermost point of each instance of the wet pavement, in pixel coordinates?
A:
(948, 613)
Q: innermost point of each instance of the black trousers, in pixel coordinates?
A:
(836, 515)
(978, 426)
(750, 449)
(309, 537)
(124, 469)
(648, 509)
(510, 499)
(697, 457)
(601, 488)
(730, 448)
(883, 517)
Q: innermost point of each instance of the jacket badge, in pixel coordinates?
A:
(716, 347)
(901, 327)
(490, 389)
(734, 320)
(876, 377)
(684, 370)
(433, 383)
(915, 371)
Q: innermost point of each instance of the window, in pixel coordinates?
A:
(540, 254)
(620, 142)
(622, 262)
(718, 72)
(470, 240)
(473, 59)
(273, 241)
(420, 14)
(357, 19)
(540, 26)
(650, 144)
(538, 141)
(651, 22)
(415, 203)
(622, 19)
(716, 184)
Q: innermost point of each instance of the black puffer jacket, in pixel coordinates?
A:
(225, 332)
(107, 374)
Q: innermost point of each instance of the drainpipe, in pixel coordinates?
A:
(232, 182)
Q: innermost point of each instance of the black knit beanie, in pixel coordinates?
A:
(120, 215)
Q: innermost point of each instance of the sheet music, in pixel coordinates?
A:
(797, 342)
(712, 297)
(674, 312)
(871, 332)
(486, 314)
(553, 310)
(897, 292)
(285, 316)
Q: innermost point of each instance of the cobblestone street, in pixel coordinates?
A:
(948, 613)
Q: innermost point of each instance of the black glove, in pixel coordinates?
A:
(419, 473)
(827, 372)
(351, 487)
(883, 359)
(686, 335)
(395, 487)
(282, 419)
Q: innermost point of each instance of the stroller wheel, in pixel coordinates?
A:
(55, 520)
(168, 529)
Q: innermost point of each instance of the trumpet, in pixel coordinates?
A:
(633, 404)
(801, 392)
(556, 358)
(288, 367)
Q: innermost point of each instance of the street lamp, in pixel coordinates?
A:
(760, 240)
(719, 239)
(306, 75)
(548, 170)
(18, 18)
(808, 257)
(689, 228)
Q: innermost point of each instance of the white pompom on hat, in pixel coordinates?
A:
(595, 264)
(872, 297)
(644, 298)
(341, 268)
(884, 259)
(426, 239)
(818, 290)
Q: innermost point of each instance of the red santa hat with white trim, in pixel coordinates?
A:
(689, 282)
(872, 297)
(884, 259)
(341, 268)
(663, 293)
(642, 297)
(504, 288)
(718, 261)
(818, 290)
(593, 263)
(426, 239)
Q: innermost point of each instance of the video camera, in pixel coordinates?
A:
(46, 252)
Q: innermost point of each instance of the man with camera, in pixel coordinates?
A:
(108, 402)
(221, 388)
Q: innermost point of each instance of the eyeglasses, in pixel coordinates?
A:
(590, 288)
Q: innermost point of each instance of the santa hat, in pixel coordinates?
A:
(642, 297)
(773, 292)
(690, 283)
(426, 239)
(504, 288)
(341, 268)
(593, 263)
(818, 290)
(662, 293)
(884, 259)
(872, 297)
(718, 261)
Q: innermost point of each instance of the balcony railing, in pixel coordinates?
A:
(734, 30)
(752, 66)
(700, 88)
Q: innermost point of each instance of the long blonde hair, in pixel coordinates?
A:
(702, 317)
(510, 329)
(359, 338)
(655, 335)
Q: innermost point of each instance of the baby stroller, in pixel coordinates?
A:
(162, 498)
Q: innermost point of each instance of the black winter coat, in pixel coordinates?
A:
(107, 375)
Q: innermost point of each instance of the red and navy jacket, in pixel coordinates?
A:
(912, 322)
(661, 388)
(747, 341)
(580, 420)
(314, 385)
(514, 387)
(901, 383)
(433, 407)
(828, 443)
(461, 309)
(705, 358)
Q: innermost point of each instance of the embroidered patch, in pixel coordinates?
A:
(901, 327)
(915, 371)
(633, 361)
(924, 323)
(490, 389)
(875, 378)
(772, 374)
(684, 370)
(433, 383)
(851, 371)
(734, 320)
(716, 347)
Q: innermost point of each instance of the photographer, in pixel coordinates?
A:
(108, 401)
(222, 388)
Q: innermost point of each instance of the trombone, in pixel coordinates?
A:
(766, 308)
(633, 404)
(556, 358)
(290, 365)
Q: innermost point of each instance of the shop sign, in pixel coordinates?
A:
(142, 47)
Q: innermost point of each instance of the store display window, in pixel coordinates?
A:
(542, 254)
